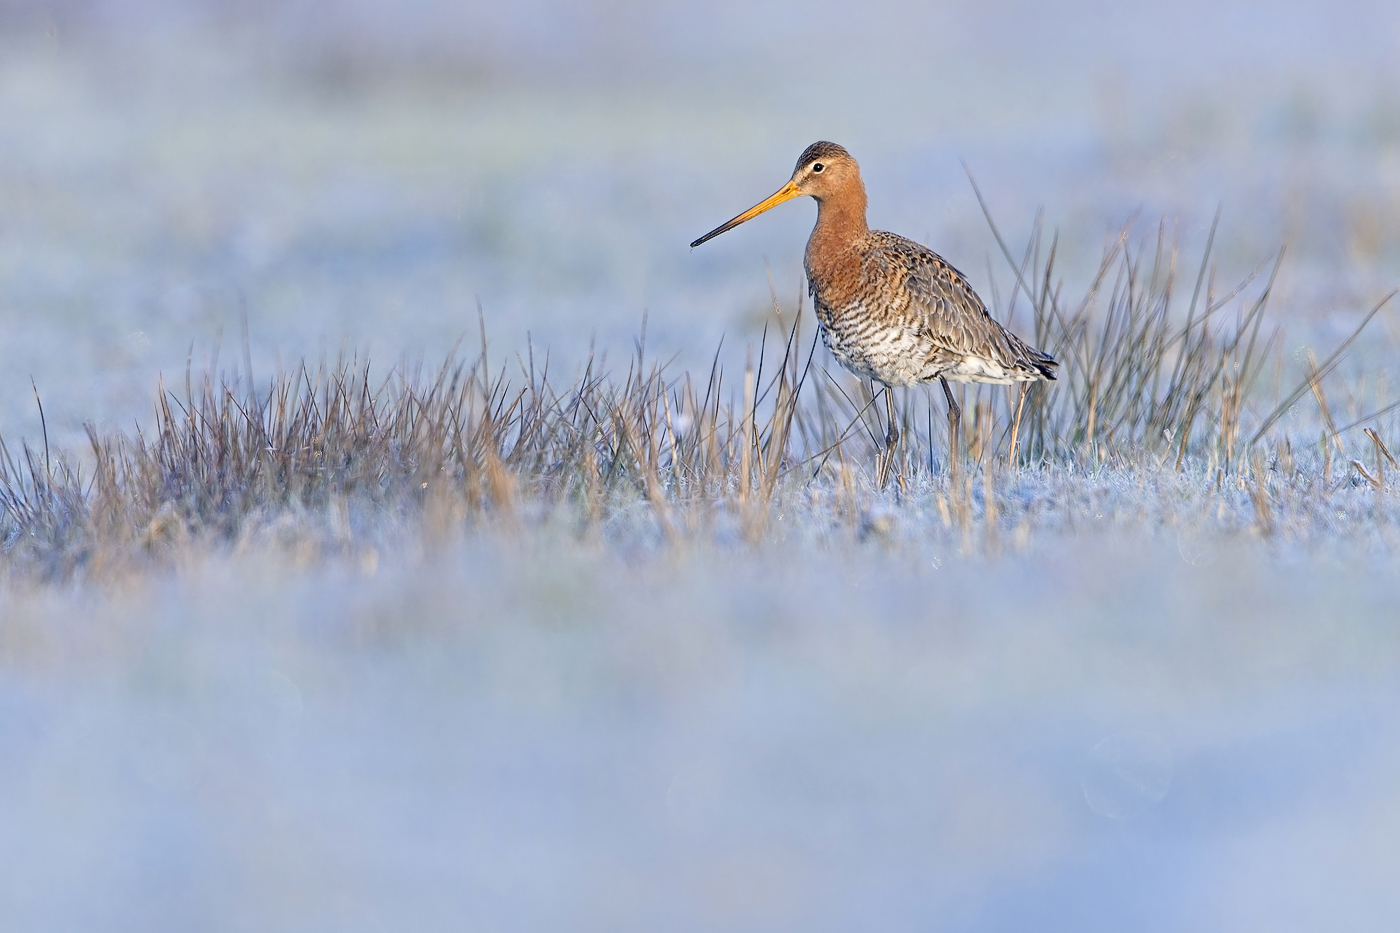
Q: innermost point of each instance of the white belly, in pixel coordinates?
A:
(976, 369)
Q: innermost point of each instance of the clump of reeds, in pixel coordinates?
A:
(461, 440)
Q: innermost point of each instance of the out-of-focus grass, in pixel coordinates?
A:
(1158, 385)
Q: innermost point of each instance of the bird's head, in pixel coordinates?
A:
(823, 170)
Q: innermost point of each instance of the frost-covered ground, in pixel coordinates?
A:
(1129, 701)
(1134, 700)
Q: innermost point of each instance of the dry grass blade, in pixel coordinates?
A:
(1321, 371)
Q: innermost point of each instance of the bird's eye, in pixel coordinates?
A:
(817, 167)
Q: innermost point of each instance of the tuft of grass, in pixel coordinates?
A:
(461, 443)
(1145, 368)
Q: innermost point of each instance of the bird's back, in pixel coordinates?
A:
(898, 312)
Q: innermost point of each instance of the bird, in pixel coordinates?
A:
(891, 309)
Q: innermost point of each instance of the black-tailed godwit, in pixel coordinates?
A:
(889, 308)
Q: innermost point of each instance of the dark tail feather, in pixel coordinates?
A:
(1045, 363)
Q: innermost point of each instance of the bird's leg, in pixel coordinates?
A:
(892, 432)
(954, 419)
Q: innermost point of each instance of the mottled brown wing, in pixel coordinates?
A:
(950, 314)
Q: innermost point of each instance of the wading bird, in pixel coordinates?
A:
(890, 309)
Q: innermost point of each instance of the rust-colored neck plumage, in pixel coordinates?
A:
(840, 228)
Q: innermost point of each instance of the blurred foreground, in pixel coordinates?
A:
(508, 734)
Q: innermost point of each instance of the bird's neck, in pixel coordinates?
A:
(833, 259)
(840, 219)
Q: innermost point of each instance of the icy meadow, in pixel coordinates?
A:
(402, 529)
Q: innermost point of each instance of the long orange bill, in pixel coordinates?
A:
(786, 193)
